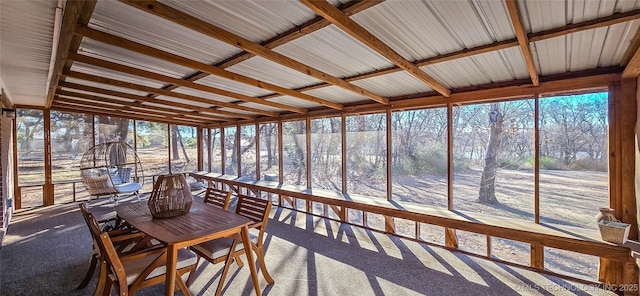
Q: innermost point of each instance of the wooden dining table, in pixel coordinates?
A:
(202, 223)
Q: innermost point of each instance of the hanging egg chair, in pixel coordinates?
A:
(112, 169)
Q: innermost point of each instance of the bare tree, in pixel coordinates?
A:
(488, 181)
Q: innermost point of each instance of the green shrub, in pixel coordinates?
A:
(550, 163)
(589, 164)
(425, 161)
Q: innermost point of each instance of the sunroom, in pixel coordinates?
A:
(404, 147)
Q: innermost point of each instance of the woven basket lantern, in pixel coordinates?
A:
(171, 196)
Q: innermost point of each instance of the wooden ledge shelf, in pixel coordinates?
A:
(549, 235)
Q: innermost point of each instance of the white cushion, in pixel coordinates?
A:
(135, 267)
(220, 247)
(128, 187)
(216, 248)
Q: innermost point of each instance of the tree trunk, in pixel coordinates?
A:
(175, 153)
(487, 193)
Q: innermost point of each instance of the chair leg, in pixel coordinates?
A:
(89, 275)
(236, 257)
(227, 263)
(182, 286)
(102, 280)
(138, 196)
(192, 274)
(263, 267)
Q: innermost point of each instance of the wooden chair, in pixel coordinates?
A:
(124, 240)
(138, 270)
(229, 248)
(218, 198)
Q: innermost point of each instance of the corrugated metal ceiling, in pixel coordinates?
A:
(26, 35)
(417, 30)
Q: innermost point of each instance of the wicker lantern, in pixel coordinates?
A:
(171, 196)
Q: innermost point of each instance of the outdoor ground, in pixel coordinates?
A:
(566, 197)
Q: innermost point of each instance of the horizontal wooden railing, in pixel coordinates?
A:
(562, 237)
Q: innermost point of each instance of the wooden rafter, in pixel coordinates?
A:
(633, 68)
(631, 59)
(210, 30)
(137, 105)
(185, 83)
(75, 12)
(106, 111)
(335, 16)
(163, 92)
(523, 39)
(317, 23)
(120, 108)
(138, 98)
(185, 62)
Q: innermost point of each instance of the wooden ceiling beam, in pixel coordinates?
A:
(185, 62)
(336, 17)
(633, 67)
(523, 39)
(600, 22)
(188, 21)
(138, 98)
(67, 107)
(163, 92)
(185, 83)
(75, 12)
(124, 108)
(135, 104)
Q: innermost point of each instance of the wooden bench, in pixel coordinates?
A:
(538, 235)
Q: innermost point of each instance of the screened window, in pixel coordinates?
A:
(248, 151)
(574, 158)
(326, 153)
(367, 155)
(269, 151)
(230, 151)
(30, 137)
(294, 147)
(494, 158)
(152, 148)
(419, 156)
(112, 129)
(184, 149)
(216, 150)
(71, 136)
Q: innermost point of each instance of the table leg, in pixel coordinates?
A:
(249, 253)
(172, 261)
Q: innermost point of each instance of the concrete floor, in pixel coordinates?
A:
(46, 252)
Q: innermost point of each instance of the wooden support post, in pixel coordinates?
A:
(537, 256)
(223, 164)
(343, 134)
(389, 157)
(307, 140)
(622, 121)
(257, 149)
(340, 211)
(48, 178)
(450, 238)
(289, 200)
(199, 145)
(626, 127)
(389, 225)
(16, 187)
